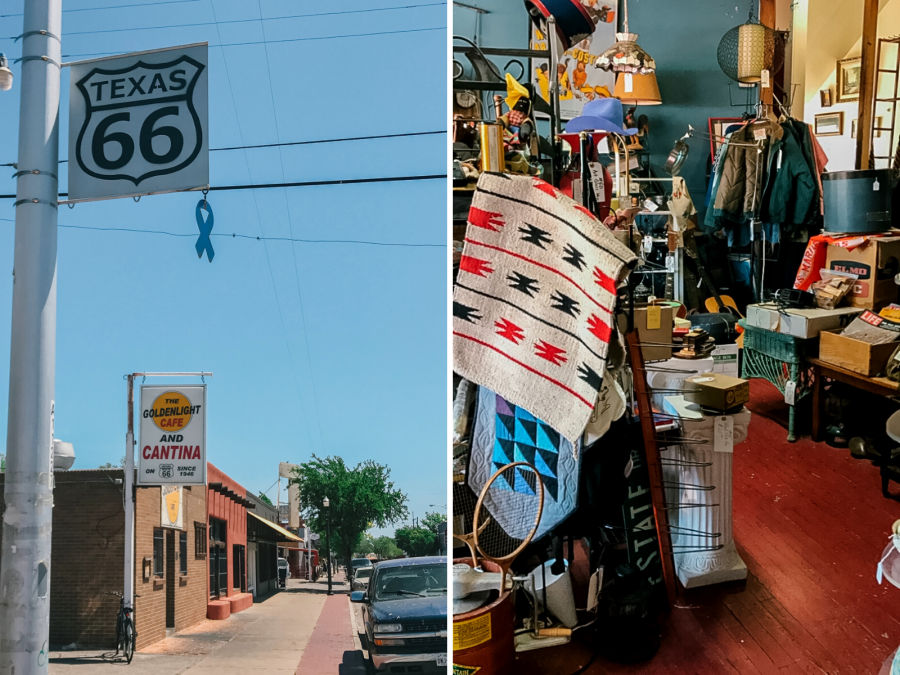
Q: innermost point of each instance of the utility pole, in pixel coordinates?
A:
(28, 497)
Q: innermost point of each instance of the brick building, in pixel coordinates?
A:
(227, 552)
(170, 564)
(173, 565)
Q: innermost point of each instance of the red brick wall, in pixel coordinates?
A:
(190, 593)
(88, 549)
(233, 513)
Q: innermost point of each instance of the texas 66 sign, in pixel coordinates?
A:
(138, 124)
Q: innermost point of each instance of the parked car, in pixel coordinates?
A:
(405, 614)
(361, 578)
(357, 563)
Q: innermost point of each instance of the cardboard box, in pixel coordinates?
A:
(876, 263)
(801, 323)
(725, 358)
(653, 324)
(855, 355)
(717, 391)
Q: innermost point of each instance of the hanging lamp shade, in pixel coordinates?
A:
(637, 89)
(625, 56)
(747, 50)
(573, 23)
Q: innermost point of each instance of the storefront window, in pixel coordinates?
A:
(158, 551)
(182, 552)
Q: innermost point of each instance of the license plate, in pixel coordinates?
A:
(442, 659)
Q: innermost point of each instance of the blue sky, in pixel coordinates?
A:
(359, 368)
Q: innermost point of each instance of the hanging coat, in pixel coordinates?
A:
(791, 195)
(739, 188)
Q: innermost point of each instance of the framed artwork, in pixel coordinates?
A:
(830, 124)
(717, 127)
(848, 78)
(878, 123)
(825, 98)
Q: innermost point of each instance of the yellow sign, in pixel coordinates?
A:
(471, 633)
(654, 317)
(171, 411)
(465, 670)
(172, 510)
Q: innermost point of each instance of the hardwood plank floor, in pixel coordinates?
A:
(811, 525)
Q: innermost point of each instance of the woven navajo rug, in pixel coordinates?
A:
(534, 299)
(504, 434)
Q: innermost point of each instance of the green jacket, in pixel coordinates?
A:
(791, 194)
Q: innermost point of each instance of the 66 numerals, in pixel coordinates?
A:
(103, 135)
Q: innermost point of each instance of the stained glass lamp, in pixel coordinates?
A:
(625, 56)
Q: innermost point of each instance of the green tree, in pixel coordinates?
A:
(263, 498)
(2, 463)
(416, 541)
(110, 465)
(386, 548)
(363, 546)
(432, 520)
(361, 497)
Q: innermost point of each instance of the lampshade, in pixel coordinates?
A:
(573, 23)
(625, 56)
(637, 89)
(747, 50)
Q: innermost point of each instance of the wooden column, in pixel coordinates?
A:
(867, 83)
(767, 18)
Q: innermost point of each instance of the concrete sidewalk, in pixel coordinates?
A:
(269, 637)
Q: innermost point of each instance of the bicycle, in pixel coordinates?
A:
(126, 635)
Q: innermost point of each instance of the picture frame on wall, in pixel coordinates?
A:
(830, 124)
(848, 79)
(878, 123)
(717, 127)
(825, 98)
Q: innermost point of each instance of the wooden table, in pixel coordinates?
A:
(874, 385)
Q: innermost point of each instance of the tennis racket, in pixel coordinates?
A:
(492, 541)
(463, 518)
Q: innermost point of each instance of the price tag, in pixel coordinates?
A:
(876, 186)
(790, 392)
(594, 589)
(650, 205)
(597, 181)
(629, 83)
(764, 79)
(647, 243)
(759, 134)
(723, 436)
(654, 314)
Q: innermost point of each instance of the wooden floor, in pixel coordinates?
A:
(811, 524)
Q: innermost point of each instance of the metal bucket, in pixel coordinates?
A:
(858, 201)
(484, 639)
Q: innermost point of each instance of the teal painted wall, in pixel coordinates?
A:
(682, 36)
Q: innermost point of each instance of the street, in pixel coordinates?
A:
(299, 630)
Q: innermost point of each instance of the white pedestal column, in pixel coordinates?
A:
(705, 512)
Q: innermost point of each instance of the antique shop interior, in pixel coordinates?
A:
(676, 336)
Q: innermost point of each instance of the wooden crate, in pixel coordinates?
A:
(859, 357)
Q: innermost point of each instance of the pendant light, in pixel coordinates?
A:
(625, 56)
(637, 89)
(746, 51)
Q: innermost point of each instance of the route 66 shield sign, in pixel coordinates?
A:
(138, 124)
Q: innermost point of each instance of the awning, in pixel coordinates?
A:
(290, 536)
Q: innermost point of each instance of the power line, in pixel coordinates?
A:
(315, 142)
(89, 9)
(267, 186)
(249, 236)
(271, 42)
(270, 18)
(237, 118)
(312, 380)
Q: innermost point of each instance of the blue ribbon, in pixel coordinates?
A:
(204, 243)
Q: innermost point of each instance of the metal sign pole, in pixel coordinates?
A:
(28, 515)
(128, 589)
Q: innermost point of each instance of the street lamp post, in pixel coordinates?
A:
(325, 503)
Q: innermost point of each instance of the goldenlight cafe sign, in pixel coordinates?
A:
(172, 435)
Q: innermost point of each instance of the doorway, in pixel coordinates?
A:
(170, 579)
(218, 559)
